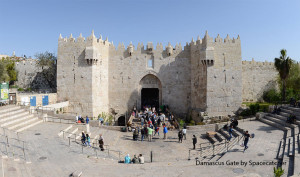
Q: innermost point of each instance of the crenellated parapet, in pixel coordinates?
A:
(254, 63)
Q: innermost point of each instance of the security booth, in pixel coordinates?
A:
(4, 92)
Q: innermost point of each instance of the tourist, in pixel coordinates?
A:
(127, 159)
(88, 140)
(159, 121)
(230, 132)
(180, 136)
(83, 138)
(101, 142)
(141, 159)
(135, 160)
(76, 117)
(142, 134)
(135, 134)
(165, 130)
(142, 121)
(194, 141)
(156, 130)
(184, 132)
(87, 120)
(246, 140)
(150, 132)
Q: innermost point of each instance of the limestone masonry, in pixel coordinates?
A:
(206, 75)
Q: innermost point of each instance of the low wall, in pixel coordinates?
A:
(25, 98)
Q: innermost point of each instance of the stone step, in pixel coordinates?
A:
(282, 118)
(280, 151)
(73, 132)
(223, 150)
(65, 130)
(292, 108)
(224, 133)
(11, 113)
(30, 125)
(287, 113)
(4, 109)
(219, 137)
(240, 130)
(281, 122)
(291, 146)
(298, 142)
(8, 118)
(273, 124)
(23, 123)
(17, 120)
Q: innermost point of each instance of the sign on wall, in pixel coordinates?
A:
(4, 90)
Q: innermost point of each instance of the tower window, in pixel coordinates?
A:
(150, 63)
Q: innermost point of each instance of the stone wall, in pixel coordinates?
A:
(34, 77)
(258, 77)
(204, 76)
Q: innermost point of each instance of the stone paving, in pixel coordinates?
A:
(50, 154)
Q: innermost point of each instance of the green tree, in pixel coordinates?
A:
(47, 62)
(7, 70)
(46, 59)
(283, 65)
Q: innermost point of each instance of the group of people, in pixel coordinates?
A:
(80, 119)
(86, 140)
(135, 160)
(151, 122)
(294, 102)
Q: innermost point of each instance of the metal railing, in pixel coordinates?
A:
(13, 147)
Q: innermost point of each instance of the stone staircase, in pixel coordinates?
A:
(72, 136)
(219, 144)
(289, 147)
(17, 119)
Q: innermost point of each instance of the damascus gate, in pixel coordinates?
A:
(203, 75)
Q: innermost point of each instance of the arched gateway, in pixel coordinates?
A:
(150, 91)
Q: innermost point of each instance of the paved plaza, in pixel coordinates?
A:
(50, 155)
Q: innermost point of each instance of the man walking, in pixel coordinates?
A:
(246, 140)
(180, 136)
(194, 141)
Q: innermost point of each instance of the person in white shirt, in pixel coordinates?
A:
(184, 132)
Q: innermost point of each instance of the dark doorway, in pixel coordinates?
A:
(150, 97)
(121, 121)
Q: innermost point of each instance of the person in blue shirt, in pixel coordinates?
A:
(87, 120)
(127, 159)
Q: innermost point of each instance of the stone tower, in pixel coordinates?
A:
(82, 70)
(216, 75)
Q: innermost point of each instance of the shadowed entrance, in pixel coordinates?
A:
(150, 97)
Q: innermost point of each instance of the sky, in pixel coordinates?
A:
(265, 26)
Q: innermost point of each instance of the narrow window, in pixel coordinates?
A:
(150, 63)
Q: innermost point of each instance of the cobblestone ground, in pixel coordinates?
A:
(50, 155)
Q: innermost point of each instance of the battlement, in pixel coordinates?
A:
(206, 40)
(254, 63)
(80, 39)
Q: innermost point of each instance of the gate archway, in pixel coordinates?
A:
(150, 91)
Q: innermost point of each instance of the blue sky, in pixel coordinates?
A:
(265, 26)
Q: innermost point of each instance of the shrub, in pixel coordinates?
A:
(200, 123)
(254, 108)
(271, 96)
(20, 89)
(181, 122)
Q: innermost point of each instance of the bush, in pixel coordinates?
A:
(20, 89)
(28, 90)
(200, 123)
(254, 108)
(271, 96)
(181, 122)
